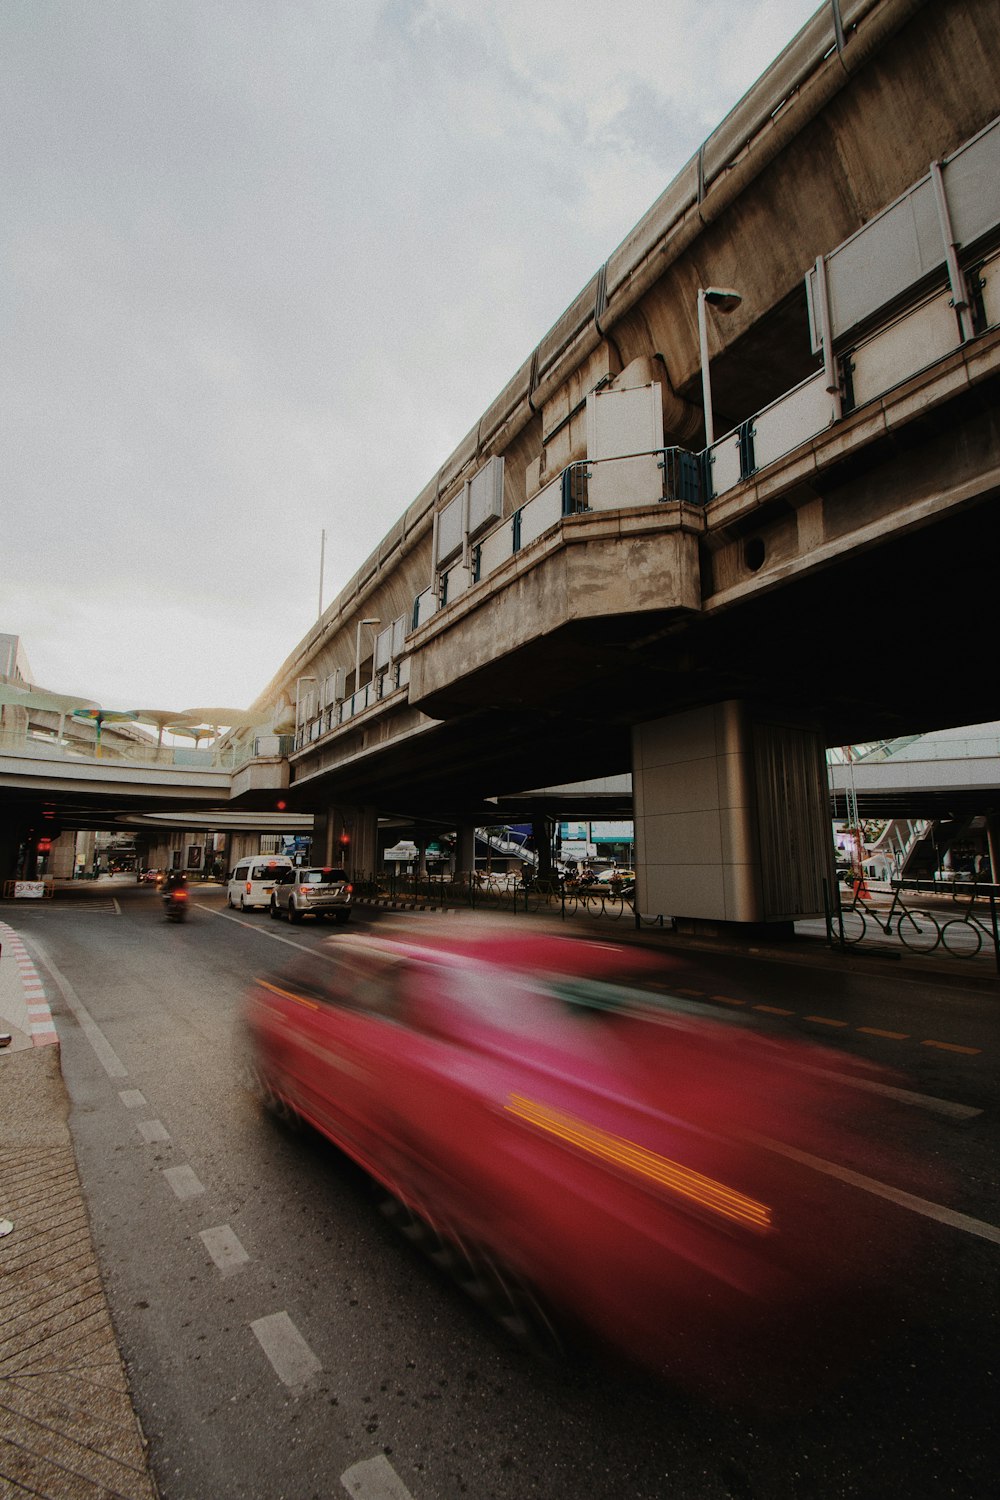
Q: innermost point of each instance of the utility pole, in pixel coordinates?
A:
(322, 554)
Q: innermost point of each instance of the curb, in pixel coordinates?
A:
(40, 1026)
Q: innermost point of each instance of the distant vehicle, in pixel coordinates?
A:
(316, 891)
(577, 1150)
(175, 896)
(251, 882)
(616, 877)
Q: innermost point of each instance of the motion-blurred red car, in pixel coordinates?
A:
(664, 1177)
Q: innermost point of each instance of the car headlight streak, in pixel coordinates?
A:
(702, 1191)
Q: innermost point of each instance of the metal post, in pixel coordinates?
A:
(959, 295)
(706, 384)
(825, 329)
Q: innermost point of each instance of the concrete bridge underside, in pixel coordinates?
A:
(871, 616)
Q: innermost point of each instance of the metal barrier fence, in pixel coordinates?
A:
(499, 893)
(927, 916)
(15, 890)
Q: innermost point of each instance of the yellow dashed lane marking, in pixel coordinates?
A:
(951, 1047)
(777, 1010)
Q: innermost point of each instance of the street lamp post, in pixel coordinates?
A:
(370, 620)
(724, 300)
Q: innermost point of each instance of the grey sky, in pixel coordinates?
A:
(266, 262)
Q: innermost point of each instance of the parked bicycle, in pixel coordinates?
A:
(916, 929)
(963, 936)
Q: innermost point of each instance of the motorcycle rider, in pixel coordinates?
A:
(173, 881)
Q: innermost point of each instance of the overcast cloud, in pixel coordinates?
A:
(267, 261)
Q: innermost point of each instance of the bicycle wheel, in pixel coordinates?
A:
(853, 923)
(919, 931)
(962, 937)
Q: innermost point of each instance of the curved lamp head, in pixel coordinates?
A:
(722, 298)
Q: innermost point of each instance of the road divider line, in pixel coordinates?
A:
(152, 1131)
(826, 1021)
(106, 1054)
(291, 1357)
(374, 1479)
(183, 1181)
(225, 1249)
(952, 1047)
(132, 1098)
(275, 937)
(909, 1201)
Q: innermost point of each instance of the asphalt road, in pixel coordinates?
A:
(279, 1336)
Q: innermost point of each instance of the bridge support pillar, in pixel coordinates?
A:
(541, 832)
(732, 824)
(351, 839)
(465, 850)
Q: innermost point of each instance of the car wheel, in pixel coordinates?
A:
(273, 908)
(293, 914)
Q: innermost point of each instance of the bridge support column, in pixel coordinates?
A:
(352, 838)
(541, 832)
(465, 850)
(732, 825)
(993, 845)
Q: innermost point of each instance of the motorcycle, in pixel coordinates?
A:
(175, 905)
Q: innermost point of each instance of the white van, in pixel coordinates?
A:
(252, 880)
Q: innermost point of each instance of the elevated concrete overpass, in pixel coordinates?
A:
(593, 584)
(586, 587)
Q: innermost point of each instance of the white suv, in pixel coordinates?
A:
(326, 892)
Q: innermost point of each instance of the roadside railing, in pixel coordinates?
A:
(499, 893)
(927, 916)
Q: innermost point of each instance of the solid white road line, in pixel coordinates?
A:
(909, 1201)
(224, 1248)
(261, 931)
(106, 1054)
(293, 1360)
(374, 1479)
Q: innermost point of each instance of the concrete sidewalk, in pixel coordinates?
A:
(67, 1427)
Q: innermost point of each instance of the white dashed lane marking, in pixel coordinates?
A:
(293, 1360)
(153, 1130)
(374, 1479)
(183, 1181)
(224, 1248)
(133, 1098)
